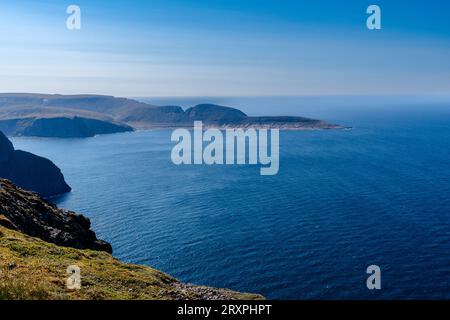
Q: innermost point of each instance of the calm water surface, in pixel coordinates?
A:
(343, 200)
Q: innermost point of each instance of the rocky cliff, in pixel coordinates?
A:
(29, 171)
(38, 242)
(32, 269)
(26, 212)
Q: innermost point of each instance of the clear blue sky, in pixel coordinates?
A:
(228, 47)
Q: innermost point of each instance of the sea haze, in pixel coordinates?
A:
(343, 200)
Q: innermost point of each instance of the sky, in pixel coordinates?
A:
(225, 48)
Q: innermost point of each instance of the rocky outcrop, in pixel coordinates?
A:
(28, 213)
(35, 235)
(29, 171)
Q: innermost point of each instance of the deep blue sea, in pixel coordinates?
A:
(343, 200)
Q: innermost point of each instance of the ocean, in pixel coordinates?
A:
(378, 194)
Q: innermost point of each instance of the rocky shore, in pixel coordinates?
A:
(38, 242)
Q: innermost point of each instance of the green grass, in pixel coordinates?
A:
(31, 269)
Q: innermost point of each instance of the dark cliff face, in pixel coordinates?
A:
(6, 149)
(61, 127)
(26, 212)
(29, 171)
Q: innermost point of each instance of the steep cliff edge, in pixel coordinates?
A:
(34, 269)
(26, 212)
(29, 171)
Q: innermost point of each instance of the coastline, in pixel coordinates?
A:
(224, 127)
(32, 269)
(38, 242)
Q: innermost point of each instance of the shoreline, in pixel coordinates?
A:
(37, 235)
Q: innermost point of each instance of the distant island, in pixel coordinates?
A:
(74, 116)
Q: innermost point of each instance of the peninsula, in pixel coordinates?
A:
(71, 116)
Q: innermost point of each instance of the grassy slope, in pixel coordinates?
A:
(33, 269)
